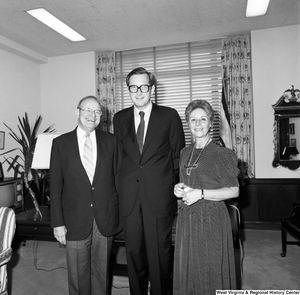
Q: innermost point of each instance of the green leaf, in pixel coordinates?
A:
(26, 138)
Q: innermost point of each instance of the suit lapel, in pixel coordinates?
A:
(128, 133)
(154, 121)
(100, 156)
(129, 125)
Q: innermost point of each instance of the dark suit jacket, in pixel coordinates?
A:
(157, 169)
(71, 192)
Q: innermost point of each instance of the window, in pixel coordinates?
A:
(184, 72)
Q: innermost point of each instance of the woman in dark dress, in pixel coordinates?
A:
(204, 254)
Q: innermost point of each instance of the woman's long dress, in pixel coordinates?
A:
(204, 254)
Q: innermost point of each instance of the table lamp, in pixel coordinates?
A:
(41, 156)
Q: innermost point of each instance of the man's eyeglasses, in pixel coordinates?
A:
(135, 89)
(89, 112)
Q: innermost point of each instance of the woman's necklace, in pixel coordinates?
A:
(190, 167)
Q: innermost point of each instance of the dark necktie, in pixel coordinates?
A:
(140, 132)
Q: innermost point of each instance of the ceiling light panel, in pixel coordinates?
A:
(257, 7)
(54, 23)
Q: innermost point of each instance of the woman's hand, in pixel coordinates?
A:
(191, 196)
(179, 190)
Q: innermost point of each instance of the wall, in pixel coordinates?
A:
(53, 89)
(275, 67)
(19, 93)
(64, 81)
(275, 64)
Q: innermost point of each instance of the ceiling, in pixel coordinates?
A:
(127, 24)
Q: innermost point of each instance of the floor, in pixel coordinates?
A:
(39, 267)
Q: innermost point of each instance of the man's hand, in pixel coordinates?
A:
(60, 233)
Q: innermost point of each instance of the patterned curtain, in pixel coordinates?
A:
(106, 88)
(236, 61)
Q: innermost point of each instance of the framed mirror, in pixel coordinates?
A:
(287, 130)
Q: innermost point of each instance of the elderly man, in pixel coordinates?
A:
(84, 200)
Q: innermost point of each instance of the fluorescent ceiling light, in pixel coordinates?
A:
(54, 23)
(257, 7)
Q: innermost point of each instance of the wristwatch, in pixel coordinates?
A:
(202, 194)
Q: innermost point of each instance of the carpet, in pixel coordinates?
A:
(38, 268)
(264, 268)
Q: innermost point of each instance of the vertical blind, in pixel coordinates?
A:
(184, 72)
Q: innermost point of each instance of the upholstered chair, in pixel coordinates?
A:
(7, 231)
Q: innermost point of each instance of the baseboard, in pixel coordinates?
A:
(261, 225)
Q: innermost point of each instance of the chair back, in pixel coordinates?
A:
(234, 214)
(7, 231)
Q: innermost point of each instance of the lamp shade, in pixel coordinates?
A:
(42, 152)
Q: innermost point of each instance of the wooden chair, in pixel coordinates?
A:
(7, 231)
(235, 218)
(291, 225)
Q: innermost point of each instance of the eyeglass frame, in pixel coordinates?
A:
(88, 112)
(139, 88)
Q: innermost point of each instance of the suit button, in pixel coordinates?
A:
(91, 205)
(137, 180)
(93, 188)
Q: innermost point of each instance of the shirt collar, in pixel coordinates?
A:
(81, 134)
(147, 110)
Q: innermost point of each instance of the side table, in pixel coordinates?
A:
(29, 224)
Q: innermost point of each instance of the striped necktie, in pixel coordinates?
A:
(88, 157)
(140, 132)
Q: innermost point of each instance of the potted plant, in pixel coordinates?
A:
(22, 164)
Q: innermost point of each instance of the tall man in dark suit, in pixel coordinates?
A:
(151, 142)
(84, 200)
